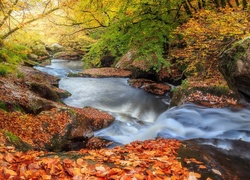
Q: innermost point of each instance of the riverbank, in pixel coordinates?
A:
(50, 116)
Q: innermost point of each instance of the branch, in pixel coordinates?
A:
(28, 22)
(8, 14)
(84, 29)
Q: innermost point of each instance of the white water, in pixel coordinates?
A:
(140, 115)
(61, 68)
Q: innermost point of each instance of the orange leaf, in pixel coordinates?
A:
(8, 157)
(202, 167)
(9, 172)
(46, 176)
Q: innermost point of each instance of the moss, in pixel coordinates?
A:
(6, 68)
(180, 93)
(20, 75)
(14, 140)
(3, 106)
(58, 143)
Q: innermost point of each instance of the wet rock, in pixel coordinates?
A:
(35, 98)
(234, 64)
(171, 75)
(79, 132)
(32, 75)
(139, 68)
(97, 143)
(88, 120)
(44, 91)
(204, 157)
(103, 72)
(68, 55)
(150, 86)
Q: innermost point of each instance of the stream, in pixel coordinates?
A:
(140, 115)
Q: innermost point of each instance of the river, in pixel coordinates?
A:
(140, 115)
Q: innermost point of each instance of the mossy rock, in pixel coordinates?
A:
(3, 106)
(39, 50)
(234, 64)
(18, 143)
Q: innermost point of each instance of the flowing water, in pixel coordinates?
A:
(140, 115)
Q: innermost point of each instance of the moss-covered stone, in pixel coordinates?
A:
(234, 64)
(14, 140)
(3, 106)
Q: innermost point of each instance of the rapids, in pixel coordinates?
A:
(140, 115)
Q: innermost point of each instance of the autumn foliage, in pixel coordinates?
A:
(151, 159)
(205, 37)
(34, 130)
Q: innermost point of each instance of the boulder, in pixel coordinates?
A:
(88, 120)
(234, 64)
(102, 72)
(39, 52)
(68, 55)
(150, 86)
(139, 68)
(80, 130)
(53, 48)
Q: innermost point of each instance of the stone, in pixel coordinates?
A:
(40, 51)
(234, 64)
(53, 48)
(68, 55)
(103, 72)
(150, 86)
(86, 121)
(139, 68)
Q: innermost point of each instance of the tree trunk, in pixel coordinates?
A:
(230, 5)
(187, 9)
(223, 3)
(190, 5)
(237, 2)
(244, 3)
(216, 2)
(203, 3)
(199, 5)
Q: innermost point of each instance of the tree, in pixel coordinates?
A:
(15, 14)
(143, 26)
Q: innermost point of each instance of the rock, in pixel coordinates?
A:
(33, 104)
(53, 48)
(234, 64)
(202, 156)
(68, 55)
(103, 72)
(205, 93)
(80, 131)
(139, 68)
(44, 91)
(40, 51)
(88, 120)
(33, 57)
(97, 143)
(150, 86)
(171, 75)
